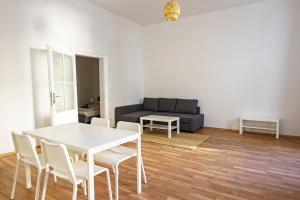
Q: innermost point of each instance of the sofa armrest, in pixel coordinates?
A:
(198, 110)
(127, 109)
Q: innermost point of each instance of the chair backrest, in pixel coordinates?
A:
(130, 126)
(100, 122)
(57, 158)
(25, 149)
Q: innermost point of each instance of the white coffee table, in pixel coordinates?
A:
(157, 118)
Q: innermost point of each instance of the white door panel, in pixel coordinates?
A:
(63, 91)
(40, 87)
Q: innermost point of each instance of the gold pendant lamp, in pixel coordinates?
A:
(172, 10)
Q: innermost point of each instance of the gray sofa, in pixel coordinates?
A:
(186, 109)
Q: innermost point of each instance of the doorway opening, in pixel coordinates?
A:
(90, 75)
(54, 86)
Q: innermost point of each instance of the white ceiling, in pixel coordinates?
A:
(146, 12)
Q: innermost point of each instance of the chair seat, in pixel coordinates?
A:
(80, 171)
(31, 161)
(125, 150)
(115, 155)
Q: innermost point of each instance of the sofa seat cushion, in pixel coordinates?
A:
(166, 105)
(134, 116)
(184, 118)
(188, 106)
(150, 104)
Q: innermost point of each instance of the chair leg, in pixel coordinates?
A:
(45, 185)
(15, 180)
(74, 195)
(144, 173)
(84, 187)
(82, 156)
(116, 182)
(37, 190)
(113, 169)
(76, 157)
(55, 178)
(108, 185)
(28, 176)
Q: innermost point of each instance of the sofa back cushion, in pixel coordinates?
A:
(188, 106)
(167, 105)
(150, 104)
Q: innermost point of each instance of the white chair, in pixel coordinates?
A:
(100, 122)
(119, 154)
(26, 153)
(58, 163)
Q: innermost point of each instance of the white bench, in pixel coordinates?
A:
(259, 123)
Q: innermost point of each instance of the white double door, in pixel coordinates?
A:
(62, 86)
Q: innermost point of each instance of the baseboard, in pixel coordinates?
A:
(7, 154)
(289, 135)
(237, 131)
(221, 129)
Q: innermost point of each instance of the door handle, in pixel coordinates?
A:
(53, 98)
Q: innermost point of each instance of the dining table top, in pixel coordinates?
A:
(84, 137)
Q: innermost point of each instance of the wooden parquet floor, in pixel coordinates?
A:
(225, 167)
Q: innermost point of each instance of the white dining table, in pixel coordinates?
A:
(89, 139)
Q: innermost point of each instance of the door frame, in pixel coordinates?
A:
(103, 72)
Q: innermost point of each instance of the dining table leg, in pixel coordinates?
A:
(90, 162)
(138, 165)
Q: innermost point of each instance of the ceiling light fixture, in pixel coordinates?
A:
(172, 10)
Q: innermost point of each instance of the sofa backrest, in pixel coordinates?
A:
(188, 106)
(167, 105)
(198, 110)
(150, 104)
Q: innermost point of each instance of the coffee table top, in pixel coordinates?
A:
(160, 118)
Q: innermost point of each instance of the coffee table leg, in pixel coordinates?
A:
(178, 127)
(169, 130)
(151, 123)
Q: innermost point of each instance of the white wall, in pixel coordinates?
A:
(87, 73)
(67, 24)
(239, 61)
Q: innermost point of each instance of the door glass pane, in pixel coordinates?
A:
(70, 103)
(68, 67)
(59, 97)
(58, 67)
